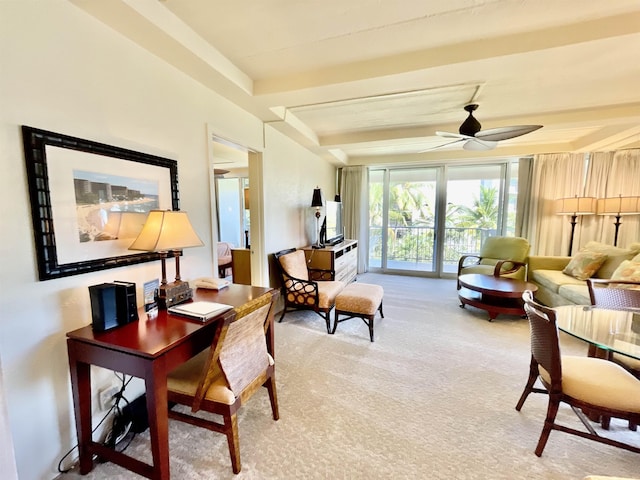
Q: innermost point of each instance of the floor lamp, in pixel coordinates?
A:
(575, 206)
(618, 206)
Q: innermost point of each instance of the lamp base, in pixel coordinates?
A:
(173, 293)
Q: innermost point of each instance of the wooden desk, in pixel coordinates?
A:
(147, 349)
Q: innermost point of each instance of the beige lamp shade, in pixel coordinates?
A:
(166, 230)
(124, 224)
(619, 206)
(576, 206)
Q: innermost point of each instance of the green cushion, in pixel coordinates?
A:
(505, 248)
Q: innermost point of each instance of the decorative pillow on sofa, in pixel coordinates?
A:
(584, 264)
(615, 256)
(628, 270)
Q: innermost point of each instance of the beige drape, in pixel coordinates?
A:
(600, 175)
(355, 209)
(611, 174)
(555, 175)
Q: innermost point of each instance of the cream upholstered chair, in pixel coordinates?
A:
(499, 256)
(593, 384)
(223, 377)
(302, 289)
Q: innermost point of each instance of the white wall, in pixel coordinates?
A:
(65, 72)
(291, 173)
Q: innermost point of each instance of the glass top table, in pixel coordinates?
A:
(613, 330)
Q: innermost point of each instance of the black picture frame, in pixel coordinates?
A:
(49, 238)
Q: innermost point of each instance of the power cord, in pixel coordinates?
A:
(120, 428)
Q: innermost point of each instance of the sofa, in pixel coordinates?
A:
(562, 280)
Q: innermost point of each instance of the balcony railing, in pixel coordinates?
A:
(412, 248)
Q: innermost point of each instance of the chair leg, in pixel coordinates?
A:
(533, 376)
(335, 323)
(231, 431)
(552, 411)
(273, 396)
(284, 310)
(370, 325)
(380, 308)
(327, 319)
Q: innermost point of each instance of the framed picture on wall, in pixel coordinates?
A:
(89, 201)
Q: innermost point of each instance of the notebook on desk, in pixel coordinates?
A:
(200, 310)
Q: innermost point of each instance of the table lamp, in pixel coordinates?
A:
(575, 206)
(316, 202)
(168, 231)
(618, 206)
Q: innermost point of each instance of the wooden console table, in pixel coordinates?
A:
(341, 260)
(147, 349)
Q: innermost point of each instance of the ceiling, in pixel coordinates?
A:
(367, 81)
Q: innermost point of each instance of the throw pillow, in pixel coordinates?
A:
(584, 264)
(628, 270)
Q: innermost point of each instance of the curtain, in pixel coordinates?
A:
(611, 174)
(556, 175)
(523, 208)
(355, 209)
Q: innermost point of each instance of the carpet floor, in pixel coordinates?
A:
(432, 398)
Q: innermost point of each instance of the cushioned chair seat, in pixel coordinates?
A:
(598, 382)
(185, 378)
(328, 291)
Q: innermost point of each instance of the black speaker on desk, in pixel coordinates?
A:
(112, 305)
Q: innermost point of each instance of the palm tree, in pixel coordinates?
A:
(484, 213)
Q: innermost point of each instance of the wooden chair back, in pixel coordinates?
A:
(242, 354)
(545, 344)
(617, 294)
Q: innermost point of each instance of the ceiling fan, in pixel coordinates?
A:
(476, 139)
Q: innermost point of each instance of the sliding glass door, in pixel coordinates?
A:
(423, 219)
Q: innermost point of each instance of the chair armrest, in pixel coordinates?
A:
(512, 267)
(463, 261)
(538, 262)
(304, 292)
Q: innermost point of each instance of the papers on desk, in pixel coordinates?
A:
(199, 310)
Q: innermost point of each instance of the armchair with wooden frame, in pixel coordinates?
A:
(304, 288)
(499, 257)
(223, 377)
(584, 383)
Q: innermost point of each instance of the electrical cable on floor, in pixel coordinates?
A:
(117, 423)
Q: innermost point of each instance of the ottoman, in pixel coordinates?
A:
(359, 300)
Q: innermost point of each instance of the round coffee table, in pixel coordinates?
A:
(494, 294)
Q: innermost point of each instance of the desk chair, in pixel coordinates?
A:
(223, 377)
(500, 257)
(593, 384)
(300, 291)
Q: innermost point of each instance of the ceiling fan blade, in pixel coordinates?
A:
(505, 133)
(450, 135)
(478, 145)
(442, 146)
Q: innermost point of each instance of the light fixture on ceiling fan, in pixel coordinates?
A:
(473, 138)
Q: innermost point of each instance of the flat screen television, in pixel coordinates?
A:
(332, 231)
